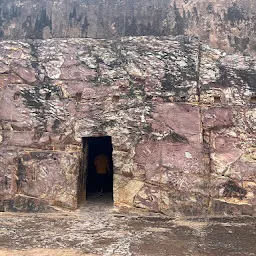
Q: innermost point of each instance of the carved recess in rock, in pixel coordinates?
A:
(180, 114)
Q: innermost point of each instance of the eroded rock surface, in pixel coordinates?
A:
(229, 25)
(181, 116)
(229, 128)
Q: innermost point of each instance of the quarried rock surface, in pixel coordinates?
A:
(227, 85)
(181, 116)
(226, 24)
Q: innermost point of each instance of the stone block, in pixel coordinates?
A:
(79, 90)
(25, 73)
(26, 204)
(125, 190)
(77, 73)
(161, 158)
(18, 138)
(176, 118)
(148, 198)
(47, 175)
(217, 117)
(13, 109)
(4, 68)
(226, 152)
(223, 207)
(7, 79)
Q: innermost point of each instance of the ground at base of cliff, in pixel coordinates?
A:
(98, 229)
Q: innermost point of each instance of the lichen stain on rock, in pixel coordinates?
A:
(233, 190)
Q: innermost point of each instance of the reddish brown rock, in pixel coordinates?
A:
(4, 68)
(5, 80)
(27, 74)
(77, 73)
(176, 118)
(217, 118)
(181, 123)
(231, 208)
(43, 175)
(12, 108)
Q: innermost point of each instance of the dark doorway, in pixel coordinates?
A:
(93, 147)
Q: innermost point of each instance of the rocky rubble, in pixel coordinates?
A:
(180, 113)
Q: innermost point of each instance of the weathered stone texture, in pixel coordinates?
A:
(181, 116)
(229, 25)
(228, 118)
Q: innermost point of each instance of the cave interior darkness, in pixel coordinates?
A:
(93, 146)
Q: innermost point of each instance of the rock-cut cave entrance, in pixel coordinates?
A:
(96, 170)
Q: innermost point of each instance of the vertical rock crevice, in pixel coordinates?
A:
(205, 135)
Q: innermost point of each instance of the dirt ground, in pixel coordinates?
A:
(98, 229)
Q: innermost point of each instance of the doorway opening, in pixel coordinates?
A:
(96, 172)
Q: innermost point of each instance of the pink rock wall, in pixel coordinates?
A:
(181, 116)
(228, 121)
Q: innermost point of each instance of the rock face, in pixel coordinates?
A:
(228, 119)
(229, 25)
(181, 116)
